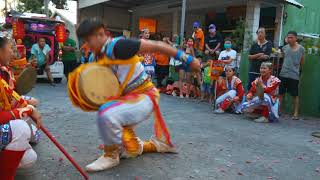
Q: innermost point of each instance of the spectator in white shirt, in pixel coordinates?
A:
(228, 55)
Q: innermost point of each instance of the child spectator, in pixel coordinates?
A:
(149, 61)
(184, 71)
(206, 91)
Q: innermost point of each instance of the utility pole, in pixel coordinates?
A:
(183, 19)
(5, 6)
(78, 12)
(46, 9)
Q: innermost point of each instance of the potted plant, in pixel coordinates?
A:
(239, 36)
(307, 43)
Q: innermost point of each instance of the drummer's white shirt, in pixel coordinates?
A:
(121, 72)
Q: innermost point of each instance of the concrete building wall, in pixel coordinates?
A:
(116, 19)
(164, 24)
(166, 17)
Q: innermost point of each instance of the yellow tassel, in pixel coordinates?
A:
(149, 147)
(130, 142)
(4, 99)
(112, 151)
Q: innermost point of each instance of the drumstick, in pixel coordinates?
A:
(43, 129)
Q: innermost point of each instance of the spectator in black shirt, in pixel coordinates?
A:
(213, 43)
(260, 52)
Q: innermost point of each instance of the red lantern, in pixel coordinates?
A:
(61, 33)
(18, 30)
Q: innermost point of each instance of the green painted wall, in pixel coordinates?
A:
(309, 86)
(305, 20)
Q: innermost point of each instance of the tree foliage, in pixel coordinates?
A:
(60, 4)
(37, 6)
(239, 35)
(34, 6)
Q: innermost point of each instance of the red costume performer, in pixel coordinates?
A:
(15, 132)
(266, 107)
(262, 98)
(229, 92)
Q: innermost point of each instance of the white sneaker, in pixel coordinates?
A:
(103, 163)
(218, 111)
(174, 93)
(261, 120)
(181, 96)
(162, 147)
(187, 96)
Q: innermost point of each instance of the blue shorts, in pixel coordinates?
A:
(5, 135)
(184, 67)
(206, 88)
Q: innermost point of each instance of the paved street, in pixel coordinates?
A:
(210, 146)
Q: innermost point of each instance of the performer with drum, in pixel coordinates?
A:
(136, 97)
(15, 133)
(262, 99)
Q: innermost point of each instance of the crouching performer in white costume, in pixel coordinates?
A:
(15, 130)
(137, 99)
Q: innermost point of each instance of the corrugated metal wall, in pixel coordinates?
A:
(305, 20)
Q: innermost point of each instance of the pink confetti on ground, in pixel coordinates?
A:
(276, 161)
(101, 147)
(60, 159)
(74, 149)
(270, 177)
